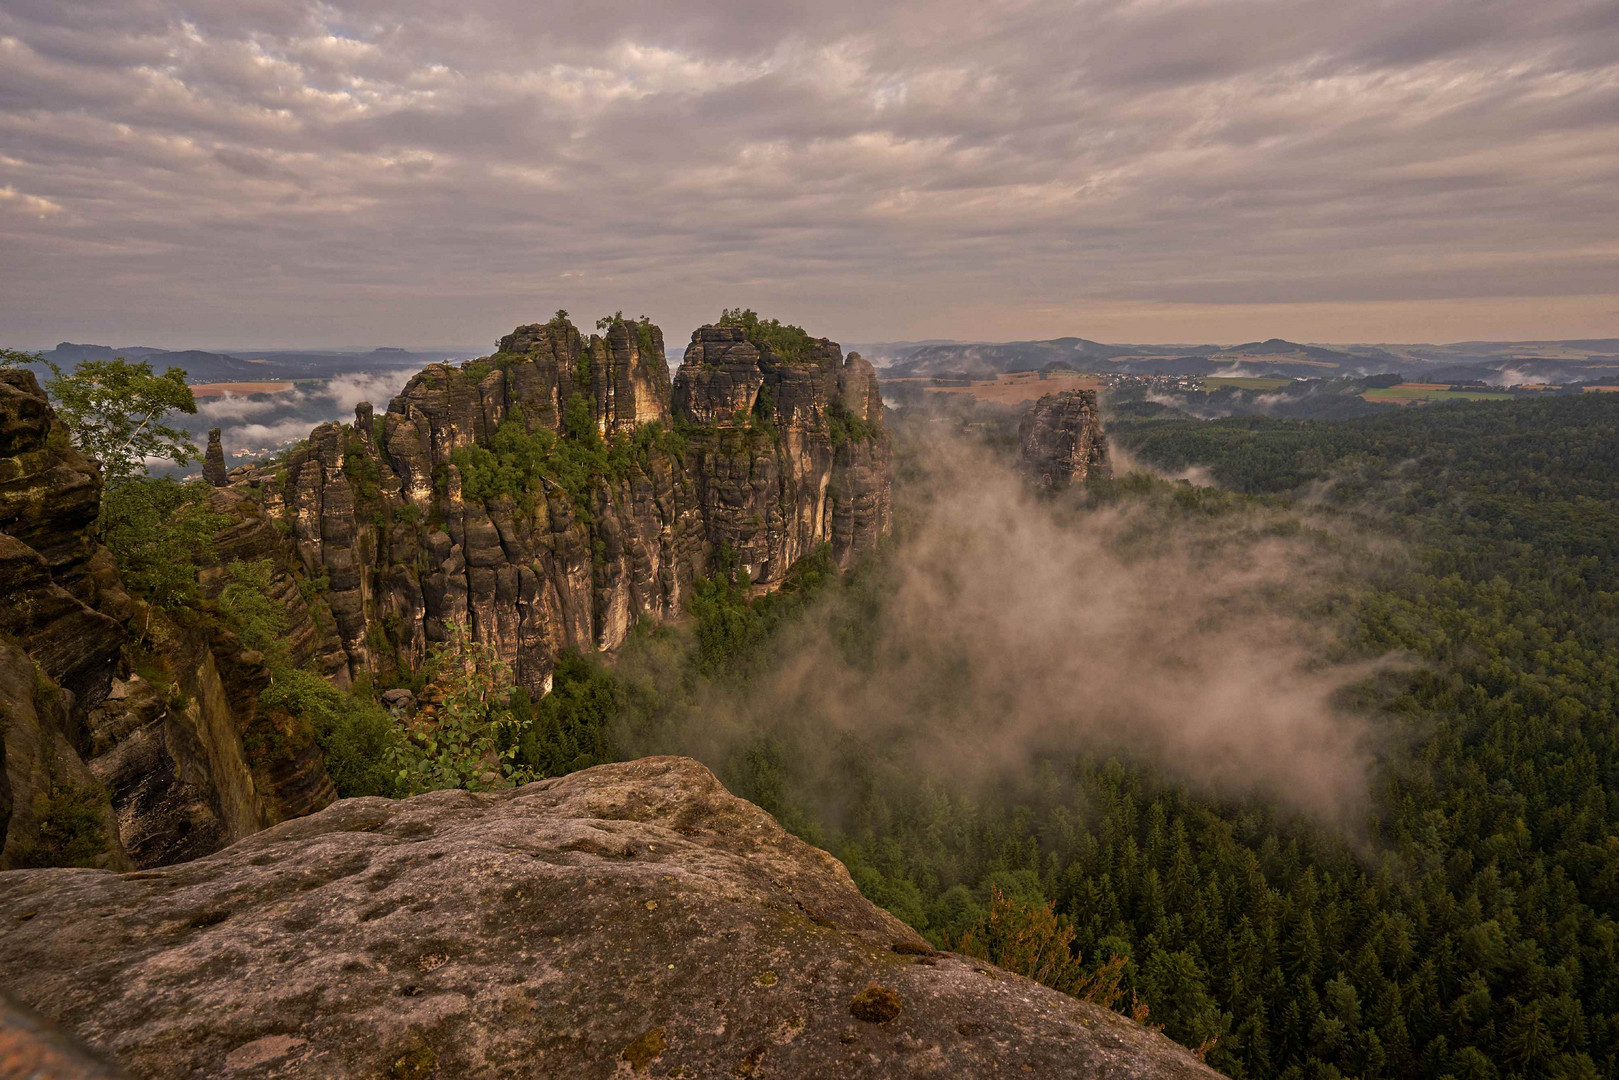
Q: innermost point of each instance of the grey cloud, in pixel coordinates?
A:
(418, 169)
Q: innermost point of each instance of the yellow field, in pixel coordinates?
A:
(1406, 393)
(1016, 388)
(217, 389)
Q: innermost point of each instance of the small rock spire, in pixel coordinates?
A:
(213, 463)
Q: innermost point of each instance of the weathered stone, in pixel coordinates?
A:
(634, 917)
(399, 702)
(759, 470)
(1061, 440)
(213, 461)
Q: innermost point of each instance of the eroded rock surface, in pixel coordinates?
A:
(756, 454)
(1061, 440)
(631, 919)
(162, 767)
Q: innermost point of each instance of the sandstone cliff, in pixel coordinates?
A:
(631, 919)
(481, 495)
(1060, 440)
(105, 763)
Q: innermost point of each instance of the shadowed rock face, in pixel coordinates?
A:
(1061, 440)
(625, 920)
(760, 467)
(213, 460)
(170, 765)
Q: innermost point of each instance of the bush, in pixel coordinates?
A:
(72, 826)
(789, 343)
(156, 529)
(570, 728)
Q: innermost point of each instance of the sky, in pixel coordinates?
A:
(225, 173)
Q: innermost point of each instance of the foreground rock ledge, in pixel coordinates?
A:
(634, 919)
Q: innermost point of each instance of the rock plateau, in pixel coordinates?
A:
(631, 919)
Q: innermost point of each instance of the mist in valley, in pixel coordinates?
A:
(1001, 628)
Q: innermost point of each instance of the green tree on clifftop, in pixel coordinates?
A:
(116, 411)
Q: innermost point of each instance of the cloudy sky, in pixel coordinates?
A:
(235, 172)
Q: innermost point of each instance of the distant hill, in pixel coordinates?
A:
(984, 359)
(1498, 362)
(202, 367)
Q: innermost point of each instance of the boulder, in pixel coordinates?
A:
(630, 919)
(400, 702)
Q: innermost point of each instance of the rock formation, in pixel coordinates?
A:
(631, 919)
(425, 515)
(1061, 440)
(59, 646)
(213, 461)
(161, 764)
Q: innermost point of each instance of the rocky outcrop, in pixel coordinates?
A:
(631, 919)
(105, 765)
(457, 506)
(54, 575)
(213, 461)
(1061, 440)
(59, 648)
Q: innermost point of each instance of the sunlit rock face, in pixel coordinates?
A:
(633, 919)
(745, 452)
(1061, 441)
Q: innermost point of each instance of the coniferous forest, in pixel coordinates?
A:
(1464, 928)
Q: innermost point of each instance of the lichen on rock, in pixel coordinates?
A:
(508, 935)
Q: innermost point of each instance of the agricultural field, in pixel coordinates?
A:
(1013, 388)
(1237, 382)
(218, 389)
(1406, 393)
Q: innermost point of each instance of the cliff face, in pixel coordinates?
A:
(631, 919)
(59, 647)
(477, 497)
(1061, 440)
(104, 764)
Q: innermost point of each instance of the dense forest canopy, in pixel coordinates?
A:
(1465, 928)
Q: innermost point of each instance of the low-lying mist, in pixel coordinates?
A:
(1185, 628)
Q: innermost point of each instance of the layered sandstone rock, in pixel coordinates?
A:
(213, 460)
(59, 649)
(1061, 440)
(745, 452)
(163, 765)
(631, 919)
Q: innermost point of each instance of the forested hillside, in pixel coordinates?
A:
(1465, 928)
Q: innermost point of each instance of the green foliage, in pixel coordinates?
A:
(253, 613)
(474, 738)
(519, 463)
(355, 734)
(571, 727)
(16, 358)
(116, 410)
(158, 529)
(733, 628)
(362, 470)
(1027, 936)
(845, 427)
(789, 343)
(72, 826)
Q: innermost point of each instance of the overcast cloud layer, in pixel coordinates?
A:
(219, 173)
